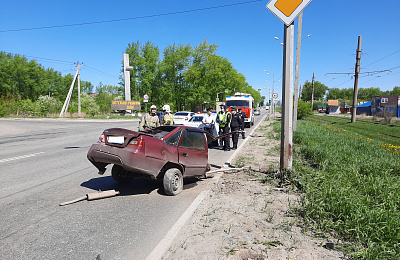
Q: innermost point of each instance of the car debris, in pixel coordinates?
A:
(94, 196)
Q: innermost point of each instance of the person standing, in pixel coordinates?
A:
(149, 120)
(236, 125)
(243, 117)
(226, 126)
(220, 116)
(168, 117)
(209, 122)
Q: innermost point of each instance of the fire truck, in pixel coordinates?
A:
(246, 103)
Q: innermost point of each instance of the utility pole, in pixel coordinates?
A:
(79, 89)
(300, 92)
(357, 71)
(312, 91)
(71, 89)
(287, 100)
(296, 77)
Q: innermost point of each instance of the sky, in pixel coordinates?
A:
(96, 33)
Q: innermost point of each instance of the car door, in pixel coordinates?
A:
(193, 152)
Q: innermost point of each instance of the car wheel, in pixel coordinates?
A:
(173, 182)
(121, 175)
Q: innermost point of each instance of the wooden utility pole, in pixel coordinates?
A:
(357, 71)
(296, 77)
(312, 91)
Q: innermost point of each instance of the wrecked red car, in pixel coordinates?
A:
(166, 153)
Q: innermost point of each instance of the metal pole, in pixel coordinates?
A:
(357, 71)
(273, 103)
(287, 99)
(296, 77)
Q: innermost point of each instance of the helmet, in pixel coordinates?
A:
(166, 108)
(153, 107)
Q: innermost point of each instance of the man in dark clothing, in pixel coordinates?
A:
(236, 125)
(243, 117)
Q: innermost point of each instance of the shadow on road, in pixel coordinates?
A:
(137, 186)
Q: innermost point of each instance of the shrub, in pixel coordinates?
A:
(48, 105)
(303, 109)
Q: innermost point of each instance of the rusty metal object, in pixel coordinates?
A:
(93, 196)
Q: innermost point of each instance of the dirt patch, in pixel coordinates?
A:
(242, 217)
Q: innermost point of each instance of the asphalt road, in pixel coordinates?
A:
(43, 163)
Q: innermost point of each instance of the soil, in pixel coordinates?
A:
(243, 217)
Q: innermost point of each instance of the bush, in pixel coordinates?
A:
(303, 109)
(48, 105)
(27, 107)
(387, 116)
(89, 106)
(103, 100)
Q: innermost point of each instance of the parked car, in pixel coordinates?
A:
(166, 153)
(182, 116)
(194, 121)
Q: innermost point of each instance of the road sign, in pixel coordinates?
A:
(226, 91)
(125, 105)
(146, 97)
(217, 99)
(259, 90)
(275, 95)
(287, 10)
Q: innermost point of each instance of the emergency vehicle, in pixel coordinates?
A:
(246, 103)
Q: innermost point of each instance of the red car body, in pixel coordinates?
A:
(181, 150)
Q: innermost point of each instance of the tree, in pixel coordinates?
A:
(319, 91)
(395, 91)
(365, 94)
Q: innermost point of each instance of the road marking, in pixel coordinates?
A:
(20, 157)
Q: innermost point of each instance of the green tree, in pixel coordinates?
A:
(365, 94)
(319, 91)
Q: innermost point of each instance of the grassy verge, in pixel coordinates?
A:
(351, 184)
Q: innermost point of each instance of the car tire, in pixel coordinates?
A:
(173, 182)
(121, 175)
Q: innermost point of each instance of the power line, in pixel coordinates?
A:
(101, 72)
(383, 58)
(128, 19)
(40, 58)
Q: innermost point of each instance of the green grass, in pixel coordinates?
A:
(350, 176)
(386, 133)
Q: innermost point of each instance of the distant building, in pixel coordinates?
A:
(385, 103)
(364, 108)
(333, 107)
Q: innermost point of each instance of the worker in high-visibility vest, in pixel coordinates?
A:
(168, 117)
(220, 115)
(149, 120)
(225, 123)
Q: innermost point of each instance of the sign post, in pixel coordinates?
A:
(287, 11)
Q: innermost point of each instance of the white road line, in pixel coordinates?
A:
(20, 157)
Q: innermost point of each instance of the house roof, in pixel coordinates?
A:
(366, 104)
